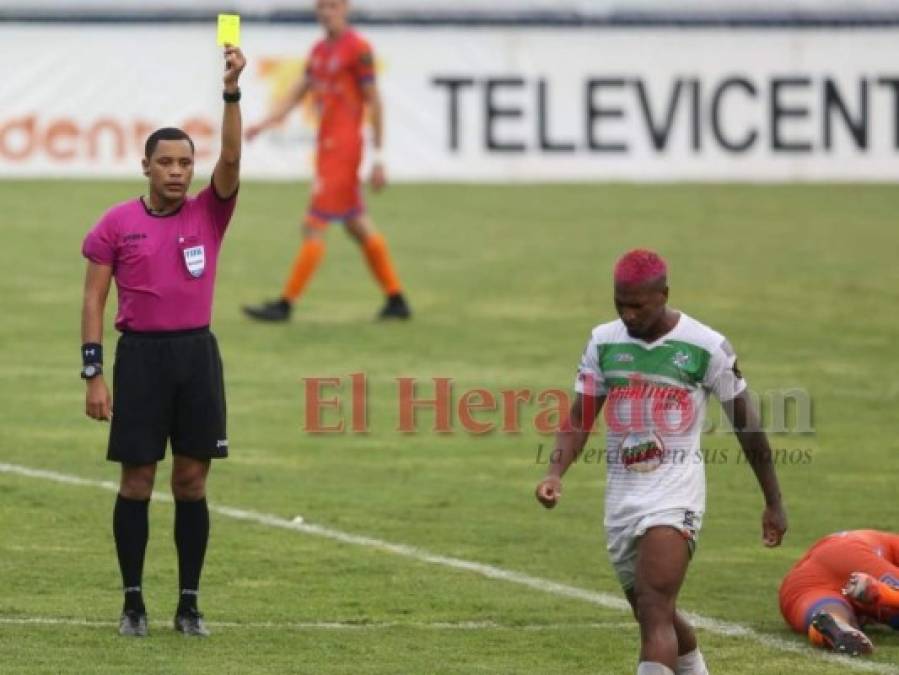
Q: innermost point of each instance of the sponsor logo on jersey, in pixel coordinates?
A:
(624, 358)
(642, 452)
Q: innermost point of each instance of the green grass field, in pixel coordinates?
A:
(506, 283)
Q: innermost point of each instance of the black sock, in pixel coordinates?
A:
(131, 529)
(191, 535)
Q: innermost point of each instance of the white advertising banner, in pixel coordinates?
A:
(423, 7)
(474, 104)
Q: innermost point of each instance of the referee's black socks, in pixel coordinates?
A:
(131, 528)
(191, 535)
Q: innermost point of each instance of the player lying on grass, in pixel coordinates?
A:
(653, 369)
(844, 580)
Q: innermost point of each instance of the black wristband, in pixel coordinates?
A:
(91, 353)
(231, 98)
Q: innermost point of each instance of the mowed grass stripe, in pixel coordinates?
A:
(328, 625)
(605, 600)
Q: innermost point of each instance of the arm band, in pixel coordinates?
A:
(91, 353)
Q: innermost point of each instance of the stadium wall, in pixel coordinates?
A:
(487, 103)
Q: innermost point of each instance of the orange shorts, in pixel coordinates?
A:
(337, 193)
(818, 578)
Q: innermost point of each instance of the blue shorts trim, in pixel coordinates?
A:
(331, 217)
(829, 600)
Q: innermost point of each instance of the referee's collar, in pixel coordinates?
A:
(153, 214)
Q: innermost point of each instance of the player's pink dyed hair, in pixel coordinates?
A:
(639, 266)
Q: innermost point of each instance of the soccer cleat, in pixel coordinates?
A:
(840, 637)
(862, 588)
(395, 308)
(189, 621)
(133, 623)
(277, 310)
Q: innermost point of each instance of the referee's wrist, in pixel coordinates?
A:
(91, 354)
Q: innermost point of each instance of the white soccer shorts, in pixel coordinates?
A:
(621, 541)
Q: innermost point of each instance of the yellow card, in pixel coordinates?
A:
(229, 30)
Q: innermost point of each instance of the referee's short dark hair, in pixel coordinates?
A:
(165, 134)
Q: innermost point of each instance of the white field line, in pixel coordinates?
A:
(606, 600)
(329, 625)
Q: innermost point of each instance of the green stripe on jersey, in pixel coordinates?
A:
(673, 360)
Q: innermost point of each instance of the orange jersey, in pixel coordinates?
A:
(338, 69)
(818, 578)
(884, 544)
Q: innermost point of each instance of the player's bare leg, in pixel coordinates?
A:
(374, 246)
(686, 636)
(308, 258)
(130, 525)
(689, 659)
(191, 535)
(662, 560)
(835, 627)
(360, 228)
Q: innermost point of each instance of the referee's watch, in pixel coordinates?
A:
(91, 370)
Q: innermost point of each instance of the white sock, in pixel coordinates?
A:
(653, 668)
(692, 663)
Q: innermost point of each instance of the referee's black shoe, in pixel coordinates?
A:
(395, 308)
(276, 310)
(190, 622)
(133, 623)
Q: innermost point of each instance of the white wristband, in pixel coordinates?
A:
(377, 156)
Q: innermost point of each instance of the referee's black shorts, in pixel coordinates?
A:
(167, 386)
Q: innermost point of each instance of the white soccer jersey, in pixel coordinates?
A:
(654, 412)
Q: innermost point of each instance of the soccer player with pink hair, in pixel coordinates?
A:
(651, 372)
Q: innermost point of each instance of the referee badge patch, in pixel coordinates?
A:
(195, 260)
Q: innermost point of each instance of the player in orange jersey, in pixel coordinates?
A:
(340, 74)
(844, 581)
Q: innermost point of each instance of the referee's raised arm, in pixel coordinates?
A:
(226, 175)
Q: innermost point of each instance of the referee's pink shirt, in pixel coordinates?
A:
(158, 290)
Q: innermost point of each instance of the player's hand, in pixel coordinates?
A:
(234, 65)
(548, 491)
(378, 179)
(97, 401)
(774, 525)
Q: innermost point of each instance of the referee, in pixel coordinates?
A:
(162, 250)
